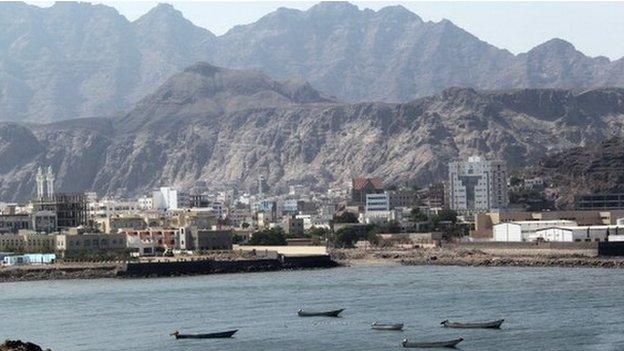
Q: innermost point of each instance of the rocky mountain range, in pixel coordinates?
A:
(221, 125)
(77, 60)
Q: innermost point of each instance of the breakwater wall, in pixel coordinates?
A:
(611, 248)
(193, 267)
(548, 245)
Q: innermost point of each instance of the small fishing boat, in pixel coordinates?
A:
(218, 335)
(333, 313)
(477, 325)
(431, 344)
(387, 326)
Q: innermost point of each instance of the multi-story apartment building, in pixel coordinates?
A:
(70, 209)
(377, 202)
(106, 208)
(403, 198)
(477, 185)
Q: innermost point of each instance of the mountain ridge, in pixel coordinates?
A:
(260, 130)
(76, 60)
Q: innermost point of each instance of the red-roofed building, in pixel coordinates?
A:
(360, 187)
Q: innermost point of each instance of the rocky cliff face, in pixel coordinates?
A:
(596, 168)
(220, 125)
(76, 60)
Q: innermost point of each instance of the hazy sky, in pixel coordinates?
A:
(595, 28)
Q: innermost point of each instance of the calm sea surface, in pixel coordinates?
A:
(545, 309)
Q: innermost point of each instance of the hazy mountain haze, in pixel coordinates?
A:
(516, 26)
(75, 60)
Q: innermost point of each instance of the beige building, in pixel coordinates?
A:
(89, 243)
(484, 222)
(112, 225)
(26, 243)
(191, 238)
(196, 218)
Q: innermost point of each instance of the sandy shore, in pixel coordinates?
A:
(457, 256)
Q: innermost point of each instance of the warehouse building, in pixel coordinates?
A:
(577, 233)
(522, 230)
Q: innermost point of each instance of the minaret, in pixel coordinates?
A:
(40, 179)
(50, 181)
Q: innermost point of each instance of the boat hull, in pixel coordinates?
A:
(333, 313)
(219, 335)
(391, 326)
(483, 325)
(431, 344)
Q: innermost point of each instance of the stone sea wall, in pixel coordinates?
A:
(162, 268)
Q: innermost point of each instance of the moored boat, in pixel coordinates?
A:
(332, 313)
(474, 325)
(387, 326)
(217, 335)
(431, 344)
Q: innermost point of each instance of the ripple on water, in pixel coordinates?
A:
(545, 308)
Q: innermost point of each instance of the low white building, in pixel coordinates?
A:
(578, 233)
(371, 217)
(105, 208)
(377, 209)
(522, 230)
(310, 221)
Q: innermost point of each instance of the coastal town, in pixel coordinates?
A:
(471, 211)
(321, 176)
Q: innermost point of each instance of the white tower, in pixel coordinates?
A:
(40, 179)
(50, 181)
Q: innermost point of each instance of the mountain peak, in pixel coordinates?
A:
(555, 44)
(163, 11)
(203, 88)
(334, 8)
(164, 21)
(69, 7)
(163, 6)
(398, 11)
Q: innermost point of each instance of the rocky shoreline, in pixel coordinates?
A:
(454, 256)
(59, 271)
(447, 256)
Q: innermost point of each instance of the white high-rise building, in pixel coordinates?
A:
(477, 185)
(165, 198)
